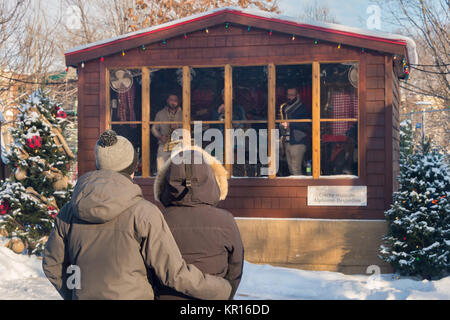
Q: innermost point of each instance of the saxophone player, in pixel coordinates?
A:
(171, 112)
(296, 133)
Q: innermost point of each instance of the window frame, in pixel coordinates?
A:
(316, 120)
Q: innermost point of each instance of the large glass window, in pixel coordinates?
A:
(166, 113)
(249, 120)
(125, 105)
(208, 107)
(125, 94)
(315, 140)
(339, 118)
(294, 119)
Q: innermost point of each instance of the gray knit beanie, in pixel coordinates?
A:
(113, 152)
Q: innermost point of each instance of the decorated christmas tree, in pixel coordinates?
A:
(418, 239)
(39, 160)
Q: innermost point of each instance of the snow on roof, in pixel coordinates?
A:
(324, 26)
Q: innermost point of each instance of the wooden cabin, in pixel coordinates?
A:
(322, 208)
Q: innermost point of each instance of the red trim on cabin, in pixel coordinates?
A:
(143, 34)
(302, 25)
(308, 26)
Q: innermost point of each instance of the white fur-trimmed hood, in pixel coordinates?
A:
(220, 173)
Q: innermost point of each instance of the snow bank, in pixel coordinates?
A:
(21, 277)
(268, 282)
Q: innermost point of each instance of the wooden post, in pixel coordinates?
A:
(271, 87)
(187, 105)
(316, 119)
(228, 97)
(145, 101)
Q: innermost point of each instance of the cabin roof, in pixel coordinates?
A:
(369, 39)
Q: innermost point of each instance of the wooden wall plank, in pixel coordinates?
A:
(362, 117)
(388, 136)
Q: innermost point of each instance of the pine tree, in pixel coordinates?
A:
(418, 239)
(39, 160)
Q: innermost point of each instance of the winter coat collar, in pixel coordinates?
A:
(209, 182)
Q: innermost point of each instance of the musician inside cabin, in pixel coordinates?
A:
(171, 112)
(294, 135)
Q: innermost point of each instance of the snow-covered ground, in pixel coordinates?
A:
(21, 277)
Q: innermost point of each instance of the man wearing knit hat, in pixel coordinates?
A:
(117, 240)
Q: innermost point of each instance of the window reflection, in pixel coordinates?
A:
(207, 94)
(339, 91)
(165, 113)
(125, 94)
(339, 100)
(294, 102)
(339, 153)
(249, 120)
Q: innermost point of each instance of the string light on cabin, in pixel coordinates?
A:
(207, 30)
(164, 41)
(339, 46)
(185, 35)
(102, 59)
(248, 29)
(293, 37)
(143, 47)
(227, 25)
(123, 53)
(270, 32)
(363, 50)
(316, 42)
(82, 64)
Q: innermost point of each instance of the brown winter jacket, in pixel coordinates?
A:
(118, 240)
(208, 237)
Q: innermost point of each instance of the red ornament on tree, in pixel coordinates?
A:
(60, 113)
(34, 142)
(4, 207)
(52, 211)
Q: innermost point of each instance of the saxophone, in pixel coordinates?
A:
(286, 108)
(171, 144)
(284, 133)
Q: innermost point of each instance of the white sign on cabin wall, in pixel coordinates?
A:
(337, 196)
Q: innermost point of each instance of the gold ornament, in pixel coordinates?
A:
(20, 174)
(16, 245)
(3, 232)
(61, 184)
